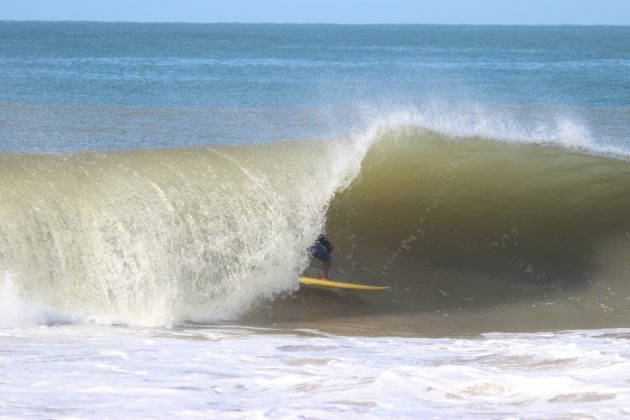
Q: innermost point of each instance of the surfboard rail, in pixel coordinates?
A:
(324, 284)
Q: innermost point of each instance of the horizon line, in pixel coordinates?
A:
(307, 23)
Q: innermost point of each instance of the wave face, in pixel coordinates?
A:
(157, 237)
(457, 223)
(160, 237)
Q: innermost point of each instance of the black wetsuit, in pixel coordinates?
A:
(322, 249)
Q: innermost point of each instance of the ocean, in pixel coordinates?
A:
(160, 185)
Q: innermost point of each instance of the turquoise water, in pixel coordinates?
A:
(234, 83)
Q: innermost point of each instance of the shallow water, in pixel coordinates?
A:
(89, 371)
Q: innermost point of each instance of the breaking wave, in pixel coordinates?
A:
(476, 209)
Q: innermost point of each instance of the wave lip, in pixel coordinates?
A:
(470, 120)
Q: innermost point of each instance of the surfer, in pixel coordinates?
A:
(322, 250)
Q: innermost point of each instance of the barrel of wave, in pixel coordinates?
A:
(454, 221)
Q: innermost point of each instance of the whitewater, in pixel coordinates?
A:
(158, 198)
(80, 371)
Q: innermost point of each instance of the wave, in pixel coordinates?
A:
(441, 213)
(155, 237)
(518, 212)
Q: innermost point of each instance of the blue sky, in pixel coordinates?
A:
(610, 12)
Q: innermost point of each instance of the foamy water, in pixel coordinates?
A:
(234, 372)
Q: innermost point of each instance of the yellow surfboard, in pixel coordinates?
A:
(323, 284)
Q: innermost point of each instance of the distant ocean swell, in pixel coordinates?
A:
(159, 237)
